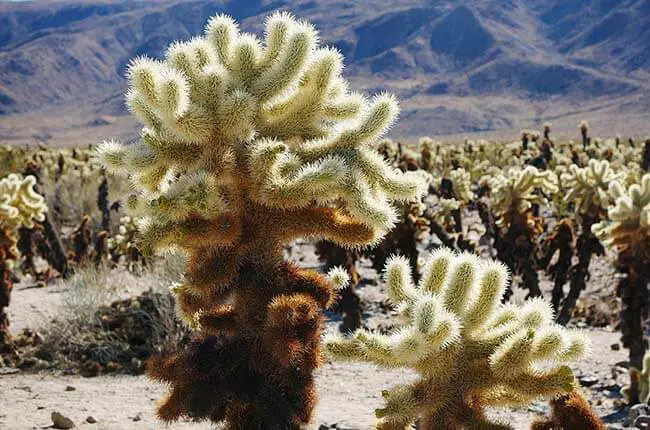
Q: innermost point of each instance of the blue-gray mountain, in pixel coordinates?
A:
(525, 58)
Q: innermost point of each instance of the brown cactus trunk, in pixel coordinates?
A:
(6, 285)
(517, 249)
(588, 245)
(633, 291)
(561, 241)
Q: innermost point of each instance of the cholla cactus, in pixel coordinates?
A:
(560, 241)
(20, 206)
(248, 145)
(516, 191)
(628, 231)
(628, 227)
(516, 198)
(570, 411)
(428, 148)
(639, 382)
(587, 189)
(470, 351)
(123, 244)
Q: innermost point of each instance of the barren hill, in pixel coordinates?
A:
(458, 66)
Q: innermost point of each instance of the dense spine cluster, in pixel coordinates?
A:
(627, 230)
(249, 144)
(470, 350)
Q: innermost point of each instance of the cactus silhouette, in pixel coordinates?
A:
(247, 145)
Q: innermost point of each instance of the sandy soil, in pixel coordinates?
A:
(349, 393)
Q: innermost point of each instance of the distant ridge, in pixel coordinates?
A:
(457, 66)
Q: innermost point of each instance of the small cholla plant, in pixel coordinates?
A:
(516, 196)
(249, 144)
(628, 232)
(123, 244)
(587, 188)
(470, 350)
(20, 206)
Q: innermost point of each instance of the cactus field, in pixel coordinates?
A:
(262, 256)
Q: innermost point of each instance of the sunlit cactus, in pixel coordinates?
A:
(388, 149)
(249, 144)
(470, 350)
(123, 244)
(570, 411)
(20, 206)
(516, 197)
(516, 191)
(587, 189)
(560, 242)
(588, 186)
(639, 382)
(428, 149)
(627, 230)
(628, 227)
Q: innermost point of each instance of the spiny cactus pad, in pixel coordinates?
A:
(230, 118)
(628, 227)
(588, 186)
(517, 190)
(20, 205)
(470, 350)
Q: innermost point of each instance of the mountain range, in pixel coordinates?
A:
(458, 66)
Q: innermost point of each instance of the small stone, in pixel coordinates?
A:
(70, 388)
(615, 346)
(61, 422)
(588, 380)
(8, 371)
(91, 420)
(42, 364)
(636, 411)
(642, 422)
(138, 417)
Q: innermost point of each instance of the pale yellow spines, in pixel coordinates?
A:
(461, 339)
(517, 190)
(20, 205)
(629, 216)
(588, 186)
(229, 117)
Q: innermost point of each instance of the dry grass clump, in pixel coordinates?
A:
(98, 330)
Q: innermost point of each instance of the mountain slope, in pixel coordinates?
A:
(457, 66)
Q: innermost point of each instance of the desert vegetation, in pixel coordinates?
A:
(254, 148)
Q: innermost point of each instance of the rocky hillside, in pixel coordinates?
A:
(458, 67)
